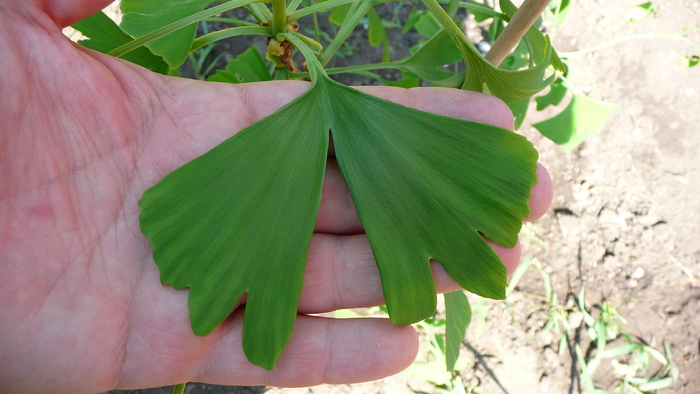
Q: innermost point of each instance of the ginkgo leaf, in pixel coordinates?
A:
(145, 16)
(458, 315)
(427, 187)
(239, 218)
(249, 66)
(104, 35)
(582, 118)
(509, 85)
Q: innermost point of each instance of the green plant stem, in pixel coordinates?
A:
(317, 28)
(357, 12)
(519, 24)
(233, 21)
(484, 10)
(179, 388)
(175, 26)
(320, 7)
(448, 24)
(260, 12)
(675, 36)
(352, 69)
(226, 33)
(316, 70)
(279, 17)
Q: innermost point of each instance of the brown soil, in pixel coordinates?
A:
(625, 218)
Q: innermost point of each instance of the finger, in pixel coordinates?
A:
(320, 351)
(66, 12)
(337, 213)
(341, 273)
(455, 103)
(541, 195)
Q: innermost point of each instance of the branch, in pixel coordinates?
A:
(519, 24)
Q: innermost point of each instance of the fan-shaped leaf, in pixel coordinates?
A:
(458, 316)
(239, 218)
(582, 118)
(144, 16)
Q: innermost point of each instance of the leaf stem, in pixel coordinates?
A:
(316, 70)
(357, 12)
(279, 17)
(675, 36)
(519, 24)
(354, 69)
(484, 10)
(319, 7)
(179, 388)
(226, 33)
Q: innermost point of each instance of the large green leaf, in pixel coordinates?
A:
(426, 187)
(104, 35)
(582, 118)
(239, 218)
(145, 16)
(458, 314)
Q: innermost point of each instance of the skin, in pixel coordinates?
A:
(82, 135)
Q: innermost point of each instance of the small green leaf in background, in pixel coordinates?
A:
(339, 13)
(557, 91)
(413, 18)
(691, 61)
(582, 118)
(517, 59)
(458, 316)
(519, 111)
(427, 63)
(639, 13)
(481, 16)
(145, 16)
(104, 36)
(559, 9)
(427, 25)
(249, 66)
(377, 33)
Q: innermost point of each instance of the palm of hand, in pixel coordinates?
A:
(81, 307)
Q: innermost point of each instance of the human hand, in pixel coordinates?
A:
(82, 135)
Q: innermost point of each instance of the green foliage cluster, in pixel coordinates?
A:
(239, 219)
(425, 186)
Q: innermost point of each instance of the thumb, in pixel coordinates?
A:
(66, 12)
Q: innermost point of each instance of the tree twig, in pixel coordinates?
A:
(525, 17)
